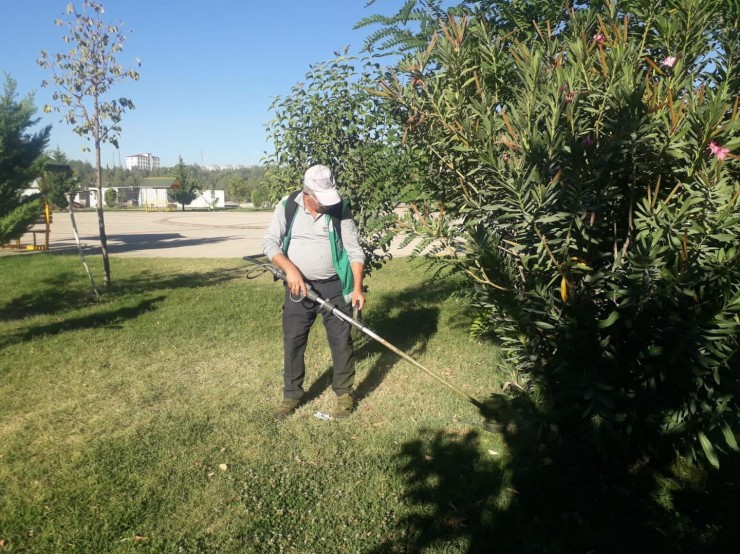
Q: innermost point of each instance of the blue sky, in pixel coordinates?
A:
(209, 69)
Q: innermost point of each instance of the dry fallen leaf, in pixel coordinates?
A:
(211, 474)
(223, 467)
(140, 538)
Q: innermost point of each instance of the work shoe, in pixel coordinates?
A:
(286, 407)
(345, 405)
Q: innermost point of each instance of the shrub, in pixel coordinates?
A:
(585, 178)
(111, 197)
(21, 161)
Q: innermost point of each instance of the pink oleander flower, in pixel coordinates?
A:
(670, 61)
(505, 157)
(600, 38)
(569, 96)
(718, 151)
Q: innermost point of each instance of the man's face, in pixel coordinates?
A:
(311, 202)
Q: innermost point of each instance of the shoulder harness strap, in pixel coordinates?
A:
(290, 208)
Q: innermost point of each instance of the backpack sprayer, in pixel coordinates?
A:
(489, 424)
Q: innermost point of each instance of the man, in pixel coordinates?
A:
(313, 239)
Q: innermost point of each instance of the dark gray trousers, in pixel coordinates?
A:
(297, 320)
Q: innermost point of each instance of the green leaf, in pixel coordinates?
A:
(708, 450)
(730, 437)
(609, 321)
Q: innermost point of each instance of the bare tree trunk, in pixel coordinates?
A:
(79, 246)
(101, 218)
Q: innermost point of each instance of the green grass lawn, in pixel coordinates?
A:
(143, 423)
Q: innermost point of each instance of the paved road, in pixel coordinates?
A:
(166, 234)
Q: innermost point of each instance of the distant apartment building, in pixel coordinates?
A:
(223, 167)
(142, 161)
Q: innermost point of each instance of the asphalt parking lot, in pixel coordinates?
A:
(188, 234)
(165, 234)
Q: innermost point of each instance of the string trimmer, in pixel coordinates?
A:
(489, 423)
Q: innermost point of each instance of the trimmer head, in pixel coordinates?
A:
(493, 426)
(496, 412)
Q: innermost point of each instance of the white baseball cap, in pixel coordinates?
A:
(319, 180)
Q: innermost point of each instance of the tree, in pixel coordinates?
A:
(21, 161)
(237, 188)
(585, 182)
(84, 172)
(331, 119)
(260, 196)
(57, 180)
(83, 78)
(185, 188)
(111, 197)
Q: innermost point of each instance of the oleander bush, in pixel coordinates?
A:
(583, 174)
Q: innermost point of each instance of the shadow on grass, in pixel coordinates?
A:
(545, 498)
(410, 330)
(66, 291)
(63, 293)
(109, 319)
(423, 322)
(57, 293)
(147, 281)
(407, 319)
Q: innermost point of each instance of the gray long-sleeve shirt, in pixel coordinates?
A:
(309, 248)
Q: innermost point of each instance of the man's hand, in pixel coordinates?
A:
(296, 284)
(358, 298)
(293, 277)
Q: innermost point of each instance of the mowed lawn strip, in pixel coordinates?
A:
(143, 422)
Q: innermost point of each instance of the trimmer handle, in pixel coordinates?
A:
(280, 274)
(276, 272)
